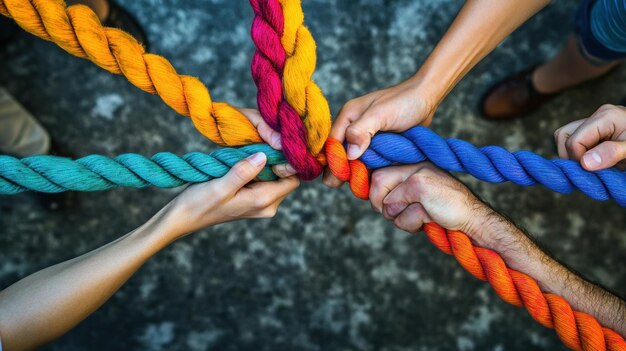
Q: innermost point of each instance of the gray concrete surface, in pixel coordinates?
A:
(326, 273)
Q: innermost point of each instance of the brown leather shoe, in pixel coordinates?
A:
(513, 97)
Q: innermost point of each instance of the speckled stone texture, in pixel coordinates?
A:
(327, 273)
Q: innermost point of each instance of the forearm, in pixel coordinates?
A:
(522, 254)
(478, 28)
(46, 304)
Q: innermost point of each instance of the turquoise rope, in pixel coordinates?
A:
(51, 174)
(165, 170)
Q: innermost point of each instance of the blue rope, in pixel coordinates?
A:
(51, 174)
(494, 164)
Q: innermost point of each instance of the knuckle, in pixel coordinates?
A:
(262, 201)
(295, 182)
(569, 143)
(350, 105)
(422, 177)
(332, 183)
(349, 110)
(378, 178)
(270, 211)
(606, 107)
(622, 151)
(403, 226)
(327, 181)
(613, 150)
(353, 131)
(398, 225)
(415, 180)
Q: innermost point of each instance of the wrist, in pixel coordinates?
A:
(180, 219)
(493, 231)
(437, 77)
(155, 234)
(480, 225)
(424, 91)
(169, 223)
(490, 230)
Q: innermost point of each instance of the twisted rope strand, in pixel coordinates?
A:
(77, 30)
(268, 64)
(490, 163)
(577, 330)
(300, 91)
(51, 174)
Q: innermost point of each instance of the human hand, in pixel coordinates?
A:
(229, 198)
(271, 137)
(396, 109)
(416, 194)
(598, 142)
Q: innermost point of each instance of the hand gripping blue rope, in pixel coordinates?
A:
(494, 164)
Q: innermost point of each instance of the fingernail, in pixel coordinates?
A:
(353, 151)
(276, 140)
(257, 159)
(289, 169)
(592, 160)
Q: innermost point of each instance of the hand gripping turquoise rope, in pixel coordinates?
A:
(490, 163)
(51, 174)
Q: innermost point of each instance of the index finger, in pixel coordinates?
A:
(589, 134)
(385, 180)
(349, 112)
(563, 134)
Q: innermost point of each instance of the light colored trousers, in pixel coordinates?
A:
(20, 133)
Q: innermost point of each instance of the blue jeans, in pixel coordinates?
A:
(601, 29)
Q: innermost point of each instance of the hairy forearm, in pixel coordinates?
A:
(479, 27)
(522, 254)
(48, 303)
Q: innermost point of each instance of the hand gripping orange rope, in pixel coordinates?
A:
(78, 31)
(577, 330)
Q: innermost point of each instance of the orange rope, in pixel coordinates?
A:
(577, 330)
(77, 30)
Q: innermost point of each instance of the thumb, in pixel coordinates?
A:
(605, 155)
(243, 172)
(359, 134)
